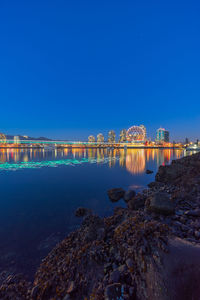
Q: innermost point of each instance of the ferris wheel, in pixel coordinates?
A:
(135, 133)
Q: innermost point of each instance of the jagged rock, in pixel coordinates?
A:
(193, 213)
(136, 203)
(129, 263)
(93, 228)
(115, 194)
(155, 184)
(82, 211)
(129, 195)
(160, 203)
(71, 287)
(113, 291)
(115, 276)
(170, 173)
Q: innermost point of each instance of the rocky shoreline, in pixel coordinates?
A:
(149, 250)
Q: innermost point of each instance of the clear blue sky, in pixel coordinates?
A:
(71, 68)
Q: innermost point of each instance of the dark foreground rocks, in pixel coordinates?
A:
(149, 250)
(115, 194)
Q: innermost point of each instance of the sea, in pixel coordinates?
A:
(40, 190)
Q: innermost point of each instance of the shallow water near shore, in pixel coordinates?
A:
(40, 190)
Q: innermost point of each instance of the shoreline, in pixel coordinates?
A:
(144, 251)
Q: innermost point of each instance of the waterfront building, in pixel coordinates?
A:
(111, 136)
(100, 138)
(2, 138)
(122, 138)
(16, 139)
(91, 139)
(162, 136)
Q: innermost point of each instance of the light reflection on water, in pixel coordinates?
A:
(134, 160)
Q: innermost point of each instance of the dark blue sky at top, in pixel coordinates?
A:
(73, 68)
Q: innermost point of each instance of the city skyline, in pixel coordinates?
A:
(72, 69)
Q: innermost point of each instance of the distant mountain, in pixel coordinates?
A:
(28, 138)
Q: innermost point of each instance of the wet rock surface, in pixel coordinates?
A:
(149, 250)
(129, 195)
(115, 194)
(161, 203)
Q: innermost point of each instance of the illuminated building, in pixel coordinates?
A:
(91, 139)
(111, 136)
(162, 136)
(136, 134)
(16, 139)
(100, 138)
(123, 133)
(145, 131)
(2, 138)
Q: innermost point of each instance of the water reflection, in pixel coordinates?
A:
(133, 160)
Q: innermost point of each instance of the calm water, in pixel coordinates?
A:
(40, 190)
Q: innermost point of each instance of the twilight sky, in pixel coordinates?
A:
(70, 68)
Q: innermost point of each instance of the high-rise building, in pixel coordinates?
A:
(100, 138)
(91, 139)
(111, 136)
(123, 133)
(2, 138)
(16, 139)
(162, 136)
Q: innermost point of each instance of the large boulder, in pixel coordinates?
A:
(129, 195)
(82, 212)
(169, 174)
(113, 291)
(160, 203)
(115, 194)
(176, 276)
(137, 202)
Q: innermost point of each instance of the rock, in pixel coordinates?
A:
(129, 195)
(136, 203)
(160, 203)
(67, 297)
(197, 234)
(129, 263)
(71, 287)
(81, 212)
(101, 233)
(93, 228)
(113, 291)
(34, 292)
(149, 171)
(115, 194)
(178, 275)
(168, 174)
(155, 184)
(193, 213)
(115, 276)
(122, 269)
